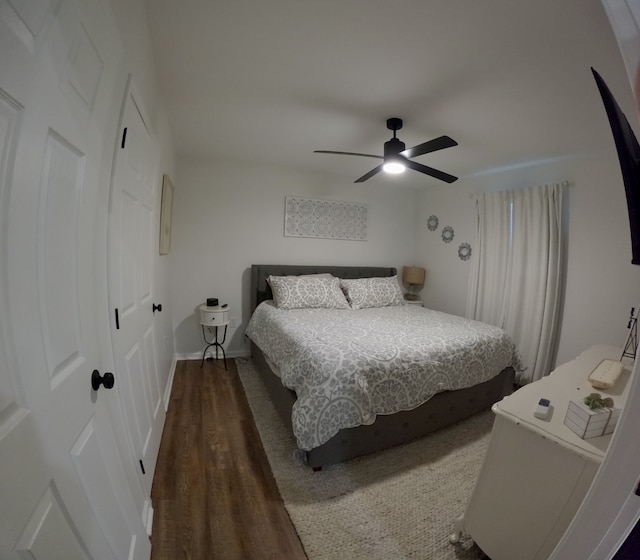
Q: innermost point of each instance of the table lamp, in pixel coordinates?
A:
(413, 277)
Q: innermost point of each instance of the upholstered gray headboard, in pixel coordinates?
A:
(261, 291)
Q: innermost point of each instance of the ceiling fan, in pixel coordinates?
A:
(396, 157)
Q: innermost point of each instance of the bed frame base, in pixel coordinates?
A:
(441, 410)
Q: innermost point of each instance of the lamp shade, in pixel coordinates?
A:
(413, 275)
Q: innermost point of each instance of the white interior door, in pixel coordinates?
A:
(133, 244)
(63, 490)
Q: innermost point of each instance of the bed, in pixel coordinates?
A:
(383, 360)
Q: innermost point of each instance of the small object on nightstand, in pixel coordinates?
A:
(542, 409)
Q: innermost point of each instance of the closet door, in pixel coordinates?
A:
(133, 245)
(63, 488)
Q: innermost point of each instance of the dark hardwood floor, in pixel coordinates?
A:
(213, 492)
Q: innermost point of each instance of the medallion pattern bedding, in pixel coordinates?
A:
(349, 365)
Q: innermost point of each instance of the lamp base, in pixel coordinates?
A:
(411, 297)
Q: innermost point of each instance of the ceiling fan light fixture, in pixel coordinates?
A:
(393, 162)
(394, 167)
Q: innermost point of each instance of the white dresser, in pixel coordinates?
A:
(536, 472)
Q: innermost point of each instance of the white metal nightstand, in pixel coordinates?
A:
(213, 318)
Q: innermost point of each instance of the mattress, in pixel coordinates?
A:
(348, 366)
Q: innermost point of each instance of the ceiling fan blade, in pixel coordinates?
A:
(429, 146)
(371, 173)
(346, 154)
(431, 171)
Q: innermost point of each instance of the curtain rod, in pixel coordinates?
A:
(564, 183)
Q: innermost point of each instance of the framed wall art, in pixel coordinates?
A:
(325, 219)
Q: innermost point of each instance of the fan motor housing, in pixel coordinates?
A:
(393, 147)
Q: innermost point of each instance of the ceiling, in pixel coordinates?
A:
(269, 81)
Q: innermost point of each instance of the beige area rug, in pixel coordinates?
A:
(395, 504)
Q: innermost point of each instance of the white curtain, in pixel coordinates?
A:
(516, 277)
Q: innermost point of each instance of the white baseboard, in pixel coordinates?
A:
(198, 355)
(167, 391)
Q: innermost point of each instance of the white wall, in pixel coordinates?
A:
(445, 286)
(228, 216)
(602, 284)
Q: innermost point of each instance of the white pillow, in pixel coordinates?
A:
(316, 275)
(308, 291)
(372, 292)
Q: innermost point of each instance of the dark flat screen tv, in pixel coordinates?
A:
(629, 157)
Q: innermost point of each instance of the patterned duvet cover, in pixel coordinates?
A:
(347, 366)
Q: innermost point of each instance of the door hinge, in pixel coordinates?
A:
(124, 137)
(117, 320)
(142, 467)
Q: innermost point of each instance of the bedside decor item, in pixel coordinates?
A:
(414, 277)
(325, 219)
(165, 215)
(464, 251)
(447, 234)
(432, 223)
(212, 301)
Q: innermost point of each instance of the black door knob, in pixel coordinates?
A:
(157, 307)
(107, 380)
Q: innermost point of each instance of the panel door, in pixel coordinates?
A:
(133, 245)
(63, 488)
